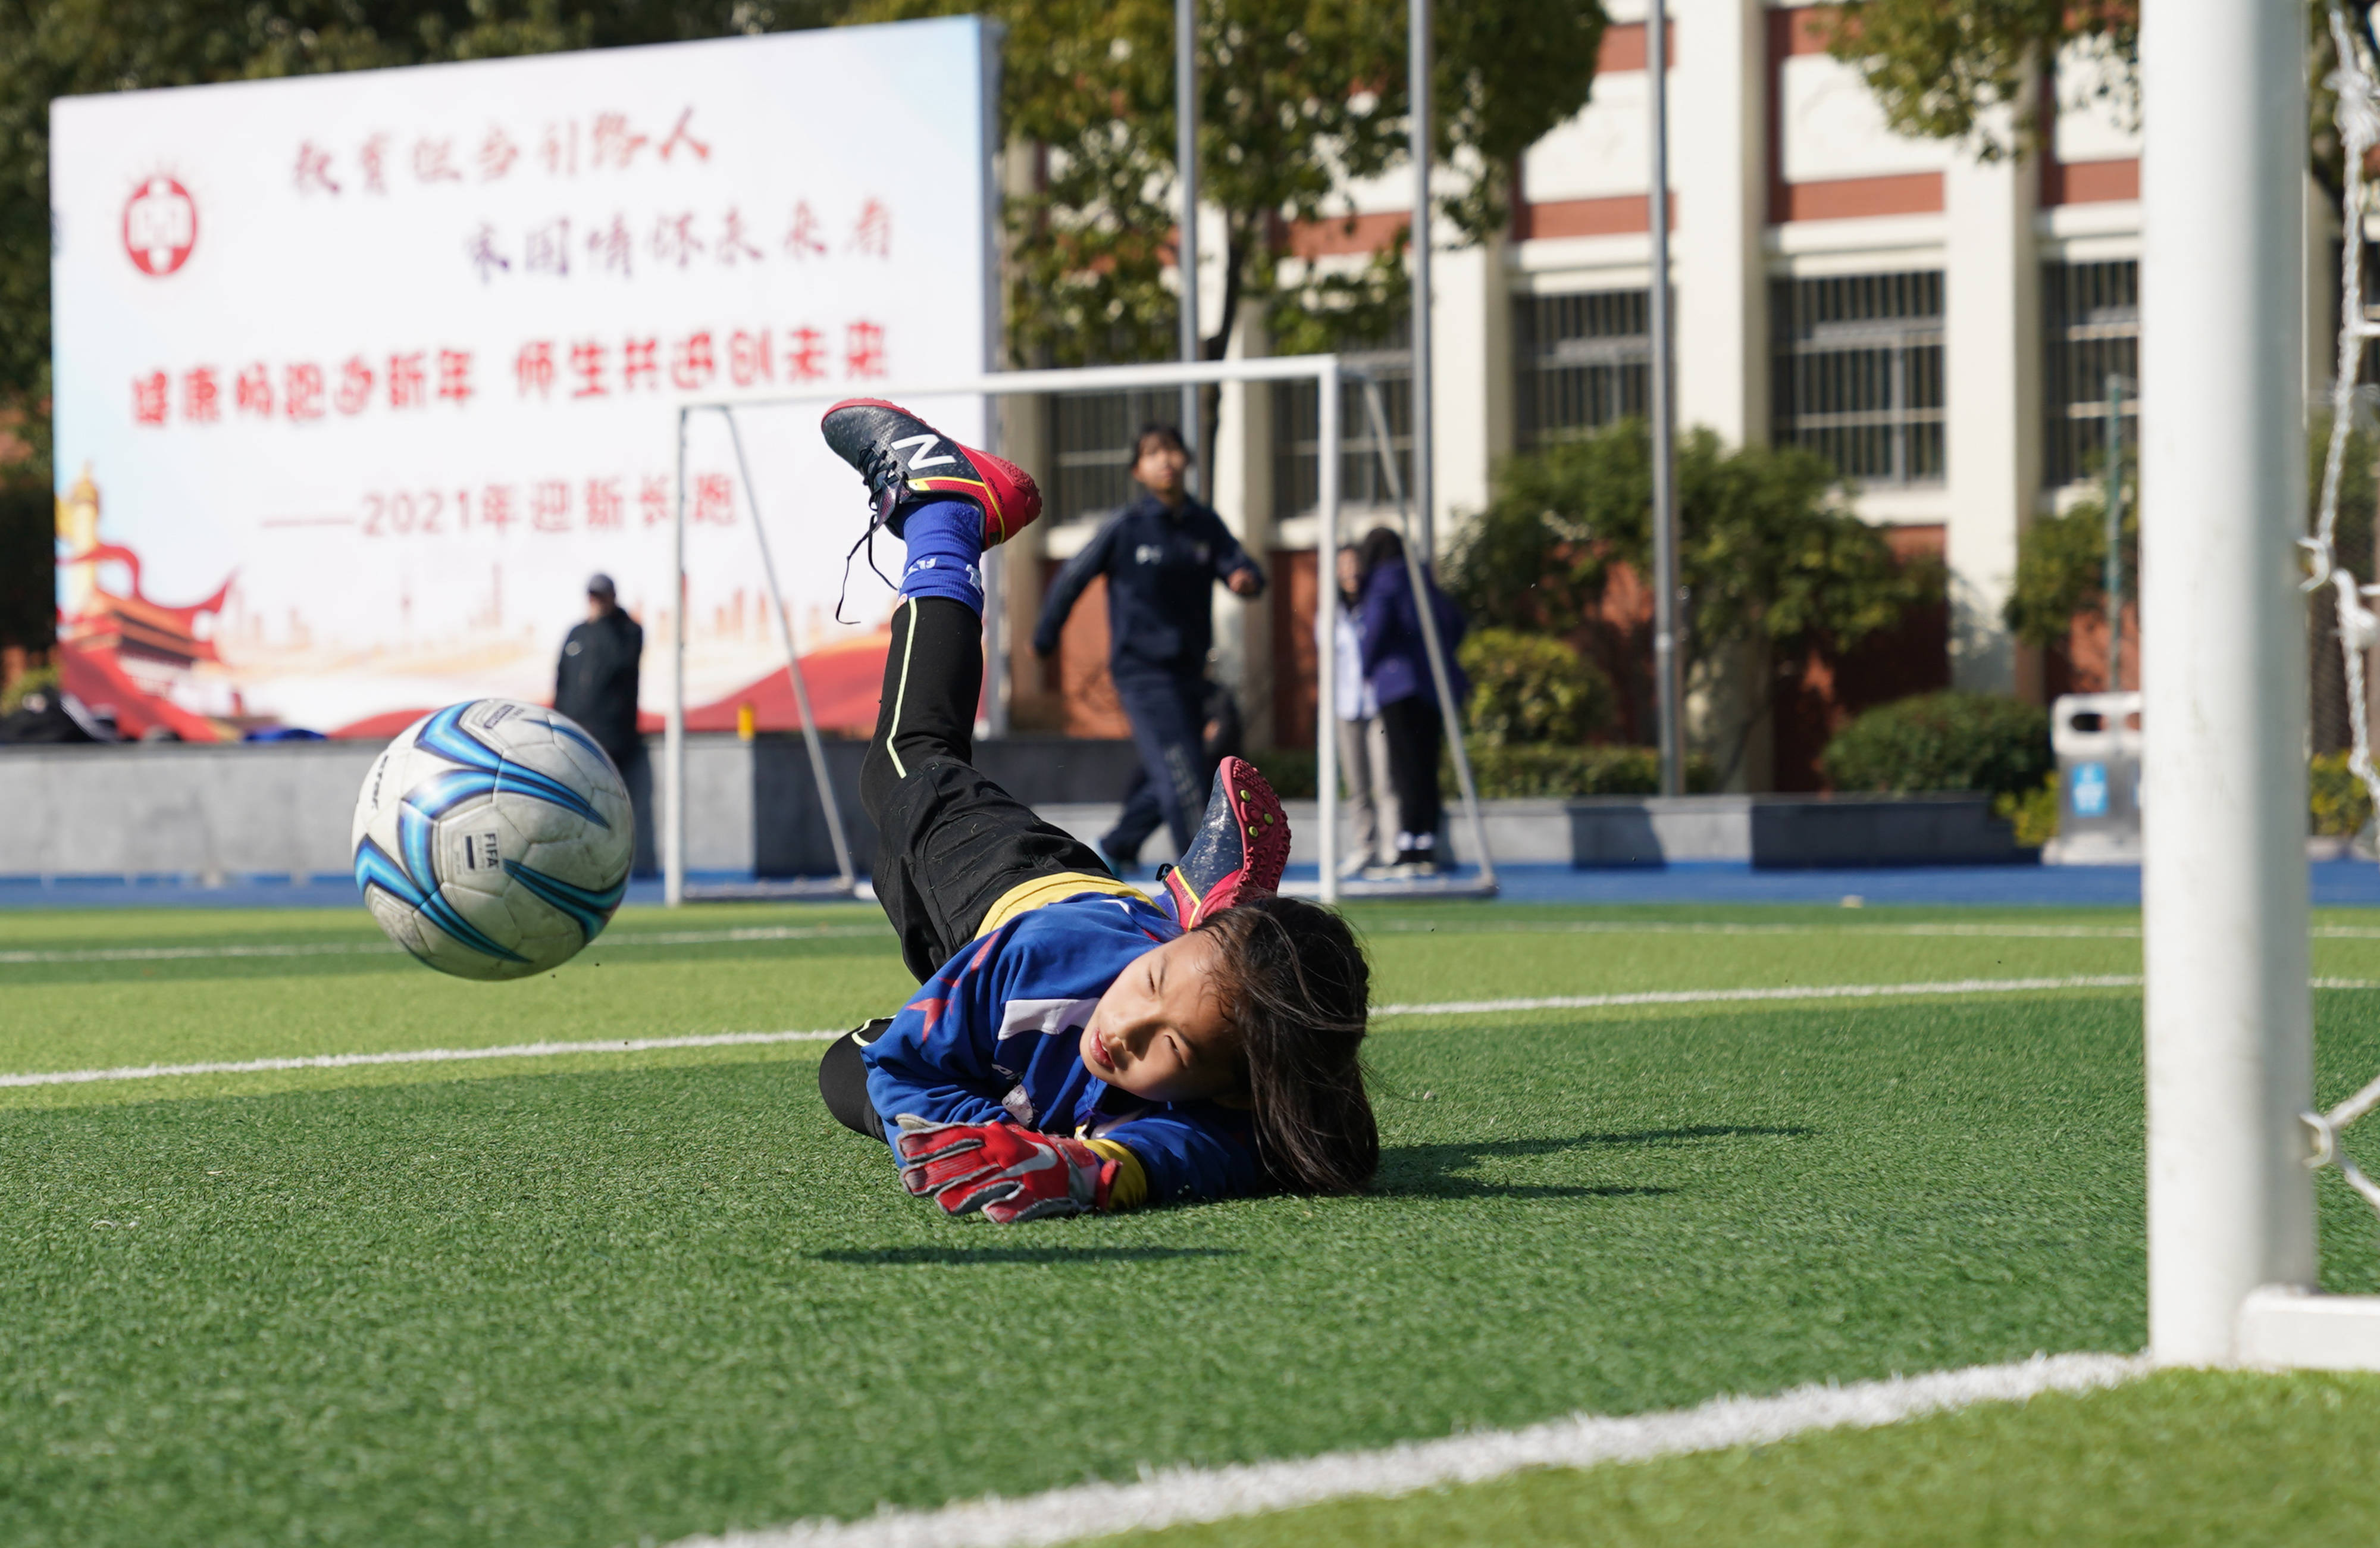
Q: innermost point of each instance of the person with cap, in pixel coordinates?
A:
(595, 684)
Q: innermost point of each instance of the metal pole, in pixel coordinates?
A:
(819, 775)
(673, 735)
(1326, 634)
(2223, 665)
(1450, 713)
(2113, 582)
(1418, 86)
(1186, 163)
(1666, 693)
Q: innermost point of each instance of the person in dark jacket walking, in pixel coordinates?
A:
(1162, 555)
(595, 684)
(1396, 664)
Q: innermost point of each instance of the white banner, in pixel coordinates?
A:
(359, 377)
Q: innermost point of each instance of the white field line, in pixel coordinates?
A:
(1789, 991)
(409, 1056)
(1176, 1496)
(1444, 1007)
(389, 949)
(2014, 931)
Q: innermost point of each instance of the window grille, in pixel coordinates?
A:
(1858, 374)
(2091, 325)
(1579, 362)
(1297, 431)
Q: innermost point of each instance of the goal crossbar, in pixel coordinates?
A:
(1326, 371)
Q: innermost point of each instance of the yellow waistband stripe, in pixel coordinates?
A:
(1026, 896)
(1131, 1182)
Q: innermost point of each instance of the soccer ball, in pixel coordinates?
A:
(492, 840)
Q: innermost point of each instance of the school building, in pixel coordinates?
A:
(1939, 326)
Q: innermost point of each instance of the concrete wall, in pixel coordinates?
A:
(284, 810)
(277, 809)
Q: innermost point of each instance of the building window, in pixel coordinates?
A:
(1297, 432)
(1579, 362)
(1093, 436)
(1858, 362)
(2091, 324)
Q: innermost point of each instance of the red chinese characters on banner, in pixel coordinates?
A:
(373, 158)
(540, 507)
(497, 153)
(681, 140)
(313, 174)
(606, 506)
(805, 355)
(301, 392)
(253, 393)
(356, 379)
(200, 396)
(404, 382)
(748, 363)
(587, 368)
(805, 238)
(433, 161)
(549, 505)
(714, 500)
(616, 144)
(691, 365)
(639, 365)
(533, 369)
(873, 234)
(863, 349)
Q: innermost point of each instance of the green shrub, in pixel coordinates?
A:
(41, 679)
(1518, 771)
(1515, 772)
(1943, 742)
(2340, 806)
(1534, 688)
(2032, 813)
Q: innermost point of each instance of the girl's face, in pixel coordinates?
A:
(1159, 467)
(1159, 1031)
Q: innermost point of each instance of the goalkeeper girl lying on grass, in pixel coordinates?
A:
(1077, 1047)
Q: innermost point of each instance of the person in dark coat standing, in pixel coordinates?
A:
(595, 684)
(1396, 664)
(1162, 555)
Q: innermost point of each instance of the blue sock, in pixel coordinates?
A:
(946, 539)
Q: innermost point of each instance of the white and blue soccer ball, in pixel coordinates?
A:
(492, 840)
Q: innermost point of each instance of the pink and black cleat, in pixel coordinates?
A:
(1239, 852)
(905, 460)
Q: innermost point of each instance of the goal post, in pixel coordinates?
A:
(1326, 371)
(2232, 1274)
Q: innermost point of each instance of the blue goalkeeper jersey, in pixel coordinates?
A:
(996, 1036)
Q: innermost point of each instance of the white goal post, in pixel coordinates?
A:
(1326, 371)
(2232, 1263)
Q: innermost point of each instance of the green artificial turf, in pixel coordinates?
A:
(619, 1299)
(2179, 1459)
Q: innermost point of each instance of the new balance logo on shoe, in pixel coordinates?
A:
(915, 446)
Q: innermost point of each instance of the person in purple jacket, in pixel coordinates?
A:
(1396, 665)
(1075, 1046)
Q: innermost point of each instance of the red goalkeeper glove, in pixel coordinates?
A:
(1010, 1173)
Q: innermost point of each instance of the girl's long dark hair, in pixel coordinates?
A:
(1382, 546)
(1295, 987)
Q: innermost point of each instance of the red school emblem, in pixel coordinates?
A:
(160, 226)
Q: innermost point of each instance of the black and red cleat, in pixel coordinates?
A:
(1239, 852)
(905, 460)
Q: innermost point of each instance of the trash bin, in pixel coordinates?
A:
(2097, 740)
